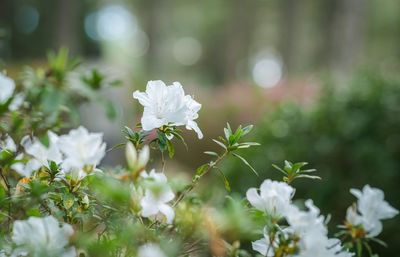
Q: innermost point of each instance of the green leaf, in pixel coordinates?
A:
(226, 182)
(308, 176)
(175, 133)
(279, 169)
(68, 201)
(245, 162)
(247, 130)
(110, 109)
(171, 149)
(200, 170)
(227, 133)
(220, 143)
(211, 153)
(377, 240)
(298, 166)
(359, 248)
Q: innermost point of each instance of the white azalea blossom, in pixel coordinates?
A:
(8, 144)
(157, 196)
(317, 245)
(81, 148)
(274, 197)
(372, 208)
(16, 102)
(27, 169)
(192, 114)
(7, 87)
(75, 151)
(42, 154)
(150, 250)
(167, 105)
(39, 237)
(310, 227)
(302, 222)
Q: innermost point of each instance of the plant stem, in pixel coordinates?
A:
(196, 178)
(9, 198)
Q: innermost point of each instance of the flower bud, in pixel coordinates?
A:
(131, 155)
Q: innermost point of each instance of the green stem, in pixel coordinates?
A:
(196, 178)
(9, 198)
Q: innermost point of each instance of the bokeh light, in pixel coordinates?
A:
(267, 71)
(27, 19)
(187, 50)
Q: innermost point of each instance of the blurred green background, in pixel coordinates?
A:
(318, 78)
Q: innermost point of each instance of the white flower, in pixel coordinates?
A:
(41, 153)
(317, 245)
(42, 237)
(134, 162)
(165, 105)
(372, 209)
(156, 197)
(7, 87)
(274, 198)
(310, 227)
(192, 114)
(264, 246)
(303, 222)
(150, 250)
(8, 144)
(16, 102)
(81, 149)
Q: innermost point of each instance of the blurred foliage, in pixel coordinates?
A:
(351, 135)
(306, 36)
(52, 95)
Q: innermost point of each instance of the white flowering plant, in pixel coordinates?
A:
(57, 200)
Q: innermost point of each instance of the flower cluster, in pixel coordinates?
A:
(57, 209)
(306, 233)
(78, 153)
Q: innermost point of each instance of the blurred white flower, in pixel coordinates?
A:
(8, 144)
(310, 227)
(156, 197)
(136, 162)
(165, 105)
(372, 208)
(274, 197)
(16, 102)
(81, 148)
(42, 237)
(41, 153)
(303, 222)
(317, 245)
(150, 250)
(264, 246)
(7, 87)
(192, 114)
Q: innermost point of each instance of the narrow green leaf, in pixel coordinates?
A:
(220, 143)
(279, 169)
(171, 149)
(225, 179)
(211, 153)
(308, 176)
(247, 130)
(245, 162)
(200, 170)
